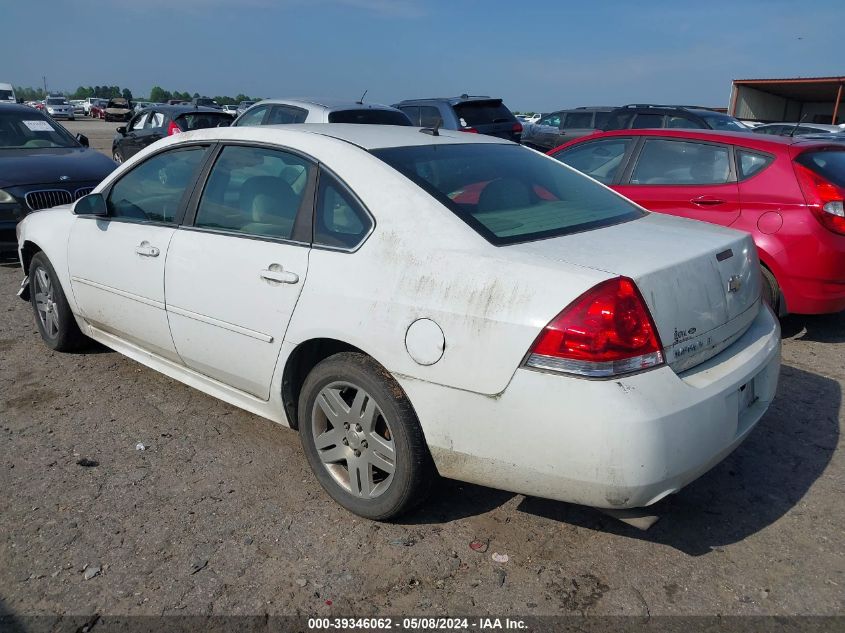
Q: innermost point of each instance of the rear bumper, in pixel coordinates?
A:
(621, 443)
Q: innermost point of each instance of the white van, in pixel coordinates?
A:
(7, 93)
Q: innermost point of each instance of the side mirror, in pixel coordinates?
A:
(122, 130)
(83, 140)
(92, 204)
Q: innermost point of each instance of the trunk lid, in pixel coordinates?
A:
(701, 282)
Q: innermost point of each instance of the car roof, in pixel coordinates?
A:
(182, 109)
(329, 105)
(452, 100)
(368, 137)
(746, 139)
(19, 107)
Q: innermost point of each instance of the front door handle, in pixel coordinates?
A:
(707, 201)
(275, 273)
(146, 250)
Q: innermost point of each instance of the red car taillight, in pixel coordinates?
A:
(605, 332)
(173, 129)
(471, 130)
(826, 200)
(517, 128)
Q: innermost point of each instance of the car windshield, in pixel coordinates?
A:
(370, 117)
(57, 102)
(202, 120)
(508, 193)
(31, 130)
(724, 122)
(483, 112)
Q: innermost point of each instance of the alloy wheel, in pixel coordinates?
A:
(45, 303)
(353, 439)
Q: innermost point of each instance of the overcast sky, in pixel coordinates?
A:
(536, 55)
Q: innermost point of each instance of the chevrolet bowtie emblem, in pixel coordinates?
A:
(734, 283)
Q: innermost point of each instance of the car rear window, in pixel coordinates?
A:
(827, 163)
(476, 113)
(369, 117)
(507, 193)
(202, 120)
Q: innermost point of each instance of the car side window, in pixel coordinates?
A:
(255, 191)
(253, 116)
(430, 117)
(600, 159)
(339, 220)
(553, 120)
(682, 122)
(285, 114)
(644, 121)
(578, 120)
(138, 122)
(751, 163)
(413, 113)
(152, 191)
(155, 121)
(673, 162)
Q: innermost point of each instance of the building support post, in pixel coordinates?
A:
(836, 107)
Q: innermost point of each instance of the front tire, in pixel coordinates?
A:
(362, 438)
(56, 323)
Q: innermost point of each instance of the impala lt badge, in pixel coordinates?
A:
(734, 283)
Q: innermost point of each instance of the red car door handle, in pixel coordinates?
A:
(707, 201)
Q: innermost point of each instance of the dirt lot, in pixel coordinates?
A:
(99, 133)
(221, 515)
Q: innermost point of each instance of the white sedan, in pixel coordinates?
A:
(416, 302)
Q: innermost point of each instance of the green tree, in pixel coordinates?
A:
(127, 94)
(159, 94)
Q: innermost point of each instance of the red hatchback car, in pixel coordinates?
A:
(787, 192)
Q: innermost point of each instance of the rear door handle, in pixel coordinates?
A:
(707, 201)
(275, 273)
(146, 250)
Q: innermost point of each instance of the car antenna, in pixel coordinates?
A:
(361, 100)
(795, 129)
(434, 131)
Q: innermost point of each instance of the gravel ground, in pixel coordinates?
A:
(220, 514)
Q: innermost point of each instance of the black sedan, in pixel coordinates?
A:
(154, 123)
(41, 165)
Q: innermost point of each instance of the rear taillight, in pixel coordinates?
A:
(471, 130)
(173, 129)
(605, 332)
(825, 200)
(517, 128)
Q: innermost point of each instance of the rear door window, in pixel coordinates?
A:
(682, 122)
(254, 191)
(476, 113)
(578, 120)
(203, 120)
(598, 159)
(253, 116)
(413, 113)
(430, 116)
(643, 121)
(282, 114)
(370, 117)
(672, 162)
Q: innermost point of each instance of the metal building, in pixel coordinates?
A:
(816, 99)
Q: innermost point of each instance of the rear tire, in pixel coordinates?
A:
(771, 290)
(362, 438)
(55, 321)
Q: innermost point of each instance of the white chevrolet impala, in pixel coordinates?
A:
(416, 302)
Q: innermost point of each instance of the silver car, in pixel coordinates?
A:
(59, 108)
(798, 129)
(277, 111)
